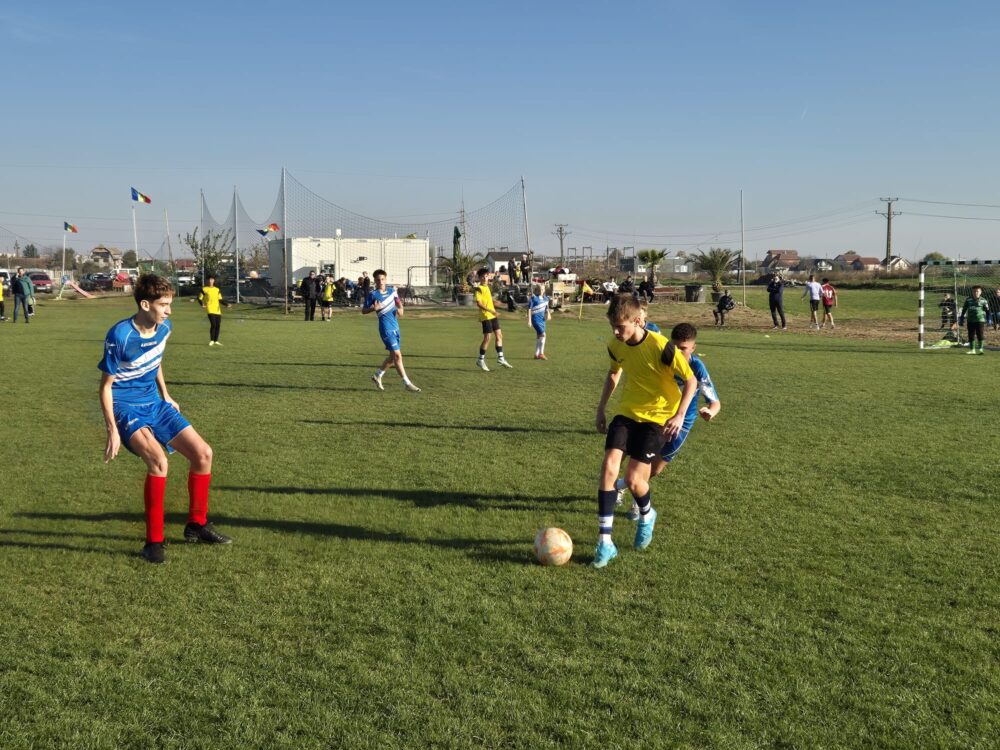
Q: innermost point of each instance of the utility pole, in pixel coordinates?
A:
(561, 233)
(888, 214)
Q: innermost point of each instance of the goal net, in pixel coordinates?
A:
(944, 287)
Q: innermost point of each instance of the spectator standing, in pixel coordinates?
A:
(526, 268)
(326, 299)
(949, 310)
(309, 290)
(3, 313)
(23, 290)
(814, 291)
(775, 300)
(828, 295)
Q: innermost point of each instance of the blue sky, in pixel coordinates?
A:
(632, 123)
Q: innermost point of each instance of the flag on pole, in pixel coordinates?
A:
(268, 229)
(67, 227)
(587, 289)
(139, 197)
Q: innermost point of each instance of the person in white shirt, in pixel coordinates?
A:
(815, 291)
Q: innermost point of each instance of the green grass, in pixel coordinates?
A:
(824, 574)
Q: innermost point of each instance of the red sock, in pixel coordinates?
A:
(198, 497)
(153, 497)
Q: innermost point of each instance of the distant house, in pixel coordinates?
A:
(896, 264)
(861, 263)
(847, 258)
(495, 260)
(107, 256)
(780, 260)
(184, 264)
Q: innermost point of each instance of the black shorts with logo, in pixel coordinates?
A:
(814, 304)
(491, 325)
(641, 441)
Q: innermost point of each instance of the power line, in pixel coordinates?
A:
(966, 218)
(946, 203)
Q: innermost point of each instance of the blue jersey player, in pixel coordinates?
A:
(386, 302)
(139, 414)
(684, 337)
(538, 313)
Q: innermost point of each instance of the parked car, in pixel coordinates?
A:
(96, 282)
(41, 280)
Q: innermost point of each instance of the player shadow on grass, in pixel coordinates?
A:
(471, 427)
(366, 366)
(498, 550)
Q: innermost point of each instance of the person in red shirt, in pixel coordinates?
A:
(828, 295)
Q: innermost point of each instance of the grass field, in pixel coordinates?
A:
(824, 573)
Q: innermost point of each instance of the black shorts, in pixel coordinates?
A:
(641, 441)
(491, 325)
(326, 304)
(814, 304)
(827, 308)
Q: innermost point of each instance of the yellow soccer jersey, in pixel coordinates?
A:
(212, 298)
(484, 297)
(650, 393)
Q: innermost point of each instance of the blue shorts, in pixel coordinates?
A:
(539, 328)
(163, 420)
(672, 447)
(391, 340)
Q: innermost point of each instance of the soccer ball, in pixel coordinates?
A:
(553, 547)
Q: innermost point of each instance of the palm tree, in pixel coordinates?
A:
(459, 266)
(716, 262)
(651, 259)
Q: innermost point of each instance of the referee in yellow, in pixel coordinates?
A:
(211, 299)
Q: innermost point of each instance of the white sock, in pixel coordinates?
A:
(406, 381)
(379, 373)
(541, 345)
(604, 538)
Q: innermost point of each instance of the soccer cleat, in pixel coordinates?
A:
(542, 356)
(481, 364)
(153, 552)
(218, 343)
(619, 491)
(644, 530)
(633, 512)
(972, 350)
(411, 388)
(377, 380)
(604, 553)
(505, 363)
(206, 534)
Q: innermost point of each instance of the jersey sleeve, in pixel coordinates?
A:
(705, 385)
(113, 351)
(615, 364)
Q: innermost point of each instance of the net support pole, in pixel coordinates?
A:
(284, 237)
(201, 228)
(236, 243)
(527, 242)
(920, 309)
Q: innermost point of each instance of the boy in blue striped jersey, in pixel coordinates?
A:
(386, 302)
(538, 313)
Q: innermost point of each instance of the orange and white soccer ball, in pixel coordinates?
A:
(553, 547)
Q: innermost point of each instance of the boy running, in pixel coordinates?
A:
(828, 295)
(538, 313)
(651, 410)
(684, 338)
(139, 414)
(384, 300)
(490, 320)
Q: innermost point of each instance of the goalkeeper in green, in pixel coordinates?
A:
(975, 310)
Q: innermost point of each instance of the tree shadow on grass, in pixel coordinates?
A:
(515, 551)
(470, 427)
(281, 386)
(422, 498)
(11, 544)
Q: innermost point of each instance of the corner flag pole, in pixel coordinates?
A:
(135, 232)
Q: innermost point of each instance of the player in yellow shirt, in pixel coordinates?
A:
(211, 299)
(490, 321)
(651, 411)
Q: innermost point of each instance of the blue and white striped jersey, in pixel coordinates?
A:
(385, 305)
(134, 361)
(539, 306)
(706, 389)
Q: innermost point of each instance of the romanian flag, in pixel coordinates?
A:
(139, 197)
(268, 229)
(67, 227)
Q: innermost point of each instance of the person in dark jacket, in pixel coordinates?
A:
(23, 291)
(775, 299)
(309, 289)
